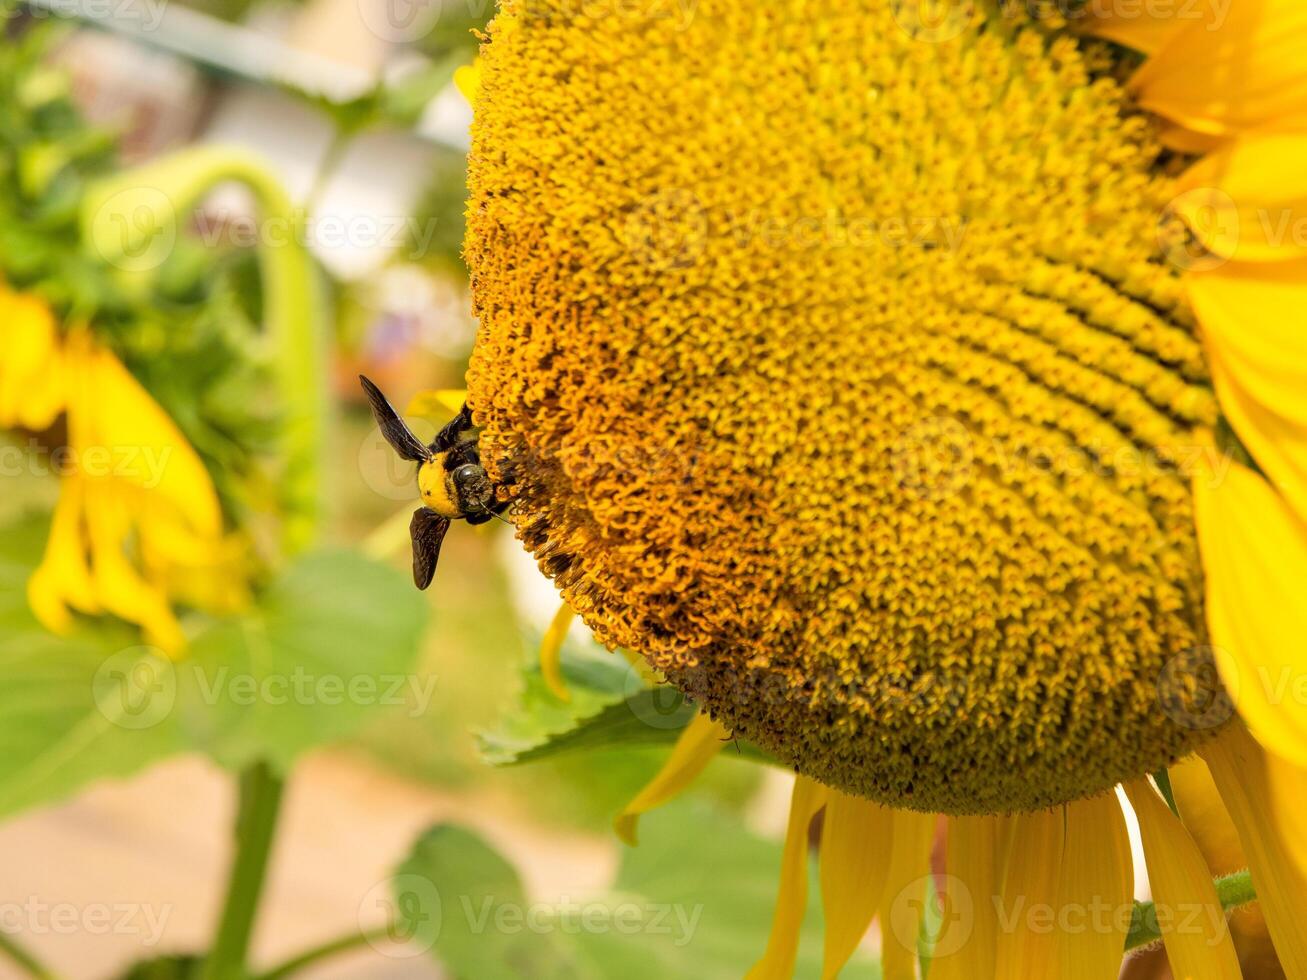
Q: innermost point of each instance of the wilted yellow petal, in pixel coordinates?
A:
(1269, 821)
(1247, 201)
(1097, 893)
(1251, 319)
(1192, 920)
(1232, 71)
(119, 587)
(857, 844)
(138, 443)
(777, 962)
(698, 745)
(440, 403)
(63, 578)
(31, 390)
(1255, 556)
(1032, 881)
(967, 943)
(551, 652)
(903, 904)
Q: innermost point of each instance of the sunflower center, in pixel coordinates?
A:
(835, 366)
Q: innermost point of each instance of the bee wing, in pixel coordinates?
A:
(428, 531)
(394, 428)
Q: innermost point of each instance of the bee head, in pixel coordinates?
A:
(458, 492)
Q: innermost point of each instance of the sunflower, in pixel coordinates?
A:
(916, 387)
(138, 526)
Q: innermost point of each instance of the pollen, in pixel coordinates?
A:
(833, 362)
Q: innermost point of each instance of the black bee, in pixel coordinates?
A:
(451, 480)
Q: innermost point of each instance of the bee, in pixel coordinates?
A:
(451, 481)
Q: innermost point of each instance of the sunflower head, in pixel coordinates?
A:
(842, 373)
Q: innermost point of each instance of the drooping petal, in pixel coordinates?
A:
(857, 845)
(1247, 201)
(1032, 880)
(777, 962)
(142, 445)
(1194, 930)
(63, 578)
(698, 745)
(967, 943)
(1255, 557)
(31, 375)
(1097, 888)
(1251, 319)
(551, 652)
(1246, 776)
(1232, 72)
(902, 906)
(468, 80)
(119, 587)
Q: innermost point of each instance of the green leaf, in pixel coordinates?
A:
(334, 639)
(165, 968)
(71, 709)
(695, 899)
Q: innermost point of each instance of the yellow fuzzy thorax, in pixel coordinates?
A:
(840, 373)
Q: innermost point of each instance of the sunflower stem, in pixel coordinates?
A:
(256, 823)
(1234, 891)
(125, 216)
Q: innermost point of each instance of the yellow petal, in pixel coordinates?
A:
(137, 442)
(1232, 73)
(439, 403)
(551, 652)
(1248, 200)
(856, 847)
(1143, 31)
(468, 80)
(698, 745)
(1190, 915)
(1032, 879)
(63, 578)
(1255, 557)
(1246, 776)
(904, 901)
(1097, 894)
(777, 962)
(967, 943)
(1251, 318)
(31, 394)
(118, 586)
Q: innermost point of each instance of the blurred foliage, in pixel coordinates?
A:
(283, 679)
(187, 328)
(694, 900)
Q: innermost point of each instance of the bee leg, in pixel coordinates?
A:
(475, 519)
